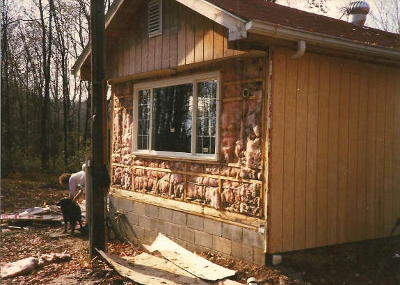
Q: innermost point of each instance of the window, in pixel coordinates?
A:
(177, 117)
(154, 17)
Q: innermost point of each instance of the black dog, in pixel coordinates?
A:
(71, 213)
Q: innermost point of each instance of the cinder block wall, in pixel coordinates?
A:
(191, 231)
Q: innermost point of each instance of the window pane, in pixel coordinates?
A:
(143, 119)
(212, 147)
(172, 118)
(213, 126)
(145, 142)
(206, 116)
(205, 144)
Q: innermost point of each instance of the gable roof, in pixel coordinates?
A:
(276, 21)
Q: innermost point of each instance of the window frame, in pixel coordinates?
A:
(151, 85)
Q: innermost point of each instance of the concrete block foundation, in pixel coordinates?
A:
(191, 231)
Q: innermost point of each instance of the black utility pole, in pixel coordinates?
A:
(97, 233)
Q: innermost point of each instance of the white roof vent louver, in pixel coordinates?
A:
(154, 18)
(358, 12)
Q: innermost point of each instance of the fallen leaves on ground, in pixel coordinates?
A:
(371, 262)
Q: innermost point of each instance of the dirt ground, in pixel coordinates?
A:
(370, 262)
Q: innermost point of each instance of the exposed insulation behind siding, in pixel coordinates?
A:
(335, 164)
(234, 183)
(122, 135)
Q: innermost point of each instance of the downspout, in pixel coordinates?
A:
(301, 49)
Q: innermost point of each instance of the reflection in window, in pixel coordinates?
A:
(206, 116)
(172, 118)
(143, 119)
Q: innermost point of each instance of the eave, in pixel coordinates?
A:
(115, 7)
(240, 29)
(293, 34)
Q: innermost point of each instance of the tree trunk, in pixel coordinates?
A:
(65, 119)
(6, 134)
(46, 54)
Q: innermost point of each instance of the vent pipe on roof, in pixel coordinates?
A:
(358, 12)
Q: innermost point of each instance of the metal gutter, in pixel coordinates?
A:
(293, 34)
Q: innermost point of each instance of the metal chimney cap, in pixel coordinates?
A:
(358, 7)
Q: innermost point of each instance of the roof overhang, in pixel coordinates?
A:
(293, 34)
(235, 25)
(86, 51)
(240, 29)
(76, 68)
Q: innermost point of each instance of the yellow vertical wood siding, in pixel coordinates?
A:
(335, 151)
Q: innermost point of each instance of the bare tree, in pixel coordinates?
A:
(39, 43)
(320, 5)
(62, 46)
(82, 32)
(386, 16)
(46, 57)
(6, 133)
(316, 6)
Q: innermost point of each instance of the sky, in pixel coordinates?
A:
(333, 5)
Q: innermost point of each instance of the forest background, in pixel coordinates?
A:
(45, 110)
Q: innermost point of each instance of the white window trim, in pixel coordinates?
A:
(177, 81)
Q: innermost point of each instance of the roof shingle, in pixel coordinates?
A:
(289, 17)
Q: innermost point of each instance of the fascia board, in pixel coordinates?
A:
(112, 11)
(81, 59)
(235, 24)
(86, 51)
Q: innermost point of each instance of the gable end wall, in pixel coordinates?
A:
(187, 38)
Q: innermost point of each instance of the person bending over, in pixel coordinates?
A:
(75, 183)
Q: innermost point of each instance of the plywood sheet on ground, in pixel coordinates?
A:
(189, 261)
(151, 270)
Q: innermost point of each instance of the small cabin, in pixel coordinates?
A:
(248, 128)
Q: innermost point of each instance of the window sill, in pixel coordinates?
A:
(176, 155)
